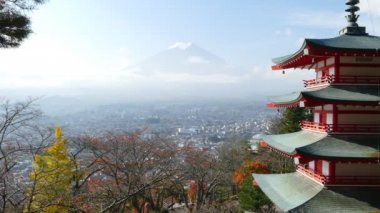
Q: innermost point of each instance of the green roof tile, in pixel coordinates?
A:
(360, 43)
(296, 193)
(289, 142)
(344, 146)
(349, 42)
(341, 93)
(288, 191)
(343, 199)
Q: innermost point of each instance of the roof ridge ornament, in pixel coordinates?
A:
(353, 28)
(352, 8)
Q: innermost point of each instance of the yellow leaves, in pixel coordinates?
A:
(58, 134)
(52, 177)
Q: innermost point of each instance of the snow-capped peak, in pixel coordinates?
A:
(181, 45)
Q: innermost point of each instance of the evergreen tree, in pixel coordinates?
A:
(252, 198)
(14, 24)
(289, 121)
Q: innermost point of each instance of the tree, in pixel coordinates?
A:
(19, 136)
(252, 198)
(52, 178)
(247, 169)
(204, 169)
(132, 171)
(289, 120)
(14, 24)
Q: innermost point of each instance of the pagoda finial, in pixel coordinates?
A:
(352, 8)
(353, 28)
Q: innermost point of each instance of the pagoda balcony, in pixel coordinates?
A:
(326, 80)
(340, 128)
(311, 174)
(332, 79)
(318, 127)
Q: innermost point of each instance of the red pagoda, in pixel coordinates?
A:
(337, 155)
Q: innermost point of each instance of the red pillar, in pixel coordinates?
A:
(332, 172)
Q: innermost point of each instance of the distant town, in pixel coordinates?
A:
(200, 125)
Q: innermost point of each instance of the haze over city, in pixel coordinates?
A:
(138, 50)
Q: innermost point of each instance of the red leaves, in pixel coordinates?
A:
(249, 167)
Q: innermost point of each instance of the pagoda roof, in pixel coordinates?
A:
(288, 191)
(295, 192)
(332, 93)
(322, 145)
(346, 45)
(345, 199)
(343, 146)
(288, 143)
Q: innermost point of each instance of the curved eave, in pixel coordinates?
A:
(288, 191)
(287, 61)
(348, 43)
(288, 143)
(288, 100)
(332, 94)
(348, 147)
(344, 94)
(344, 45)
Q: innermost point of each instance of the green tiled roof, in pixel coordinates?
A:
(350, 42)
(326, 146)
(344, 146)
(289, 142)
(296, 193)
(286, 99)
(288, 191)
(343, 199)
(362, 43)
(341, 93)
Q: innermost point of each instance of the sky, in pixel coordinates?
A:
(86, 46)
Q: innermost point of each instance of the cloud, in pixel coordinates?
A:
(180, 45)
(45, 62)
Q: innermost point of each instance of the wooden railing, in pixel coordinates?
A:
(320, 178)
(325, 80)
(315, 126)
(340, 128)
(318, 81)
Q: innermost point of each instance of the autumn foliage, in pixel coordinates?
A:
(249, 167)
